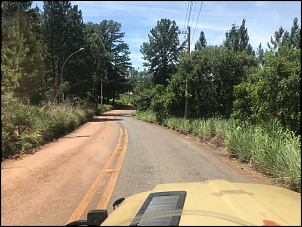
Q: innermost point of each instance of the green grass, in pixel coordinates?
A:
(148, 116)
(103, 108)
(267, 147)
(25, 127)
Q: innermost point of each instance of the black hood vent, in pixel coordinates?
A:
(161, 209)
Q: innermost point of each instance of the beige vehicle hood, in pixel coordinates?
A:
(219, 202)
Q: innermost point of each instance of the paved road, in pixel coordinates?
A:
(49, 187)
(157, 155)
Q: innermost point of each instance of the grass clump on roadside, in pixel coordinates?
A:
(148, 116)
(25, 127)
(103, 108)
(268, 147)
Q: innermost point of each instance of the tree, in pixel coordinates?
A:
(62, 32)
(97, 58)
(162, 51)
(232, 38)
(295, 35)
(115, 82)
(290, 39)
(275, 43)
(272, 92)
(142, 94)
(260, 55)
(21, 58)
(213, 71)
(53, 29)
(201, 42)
(237, 39)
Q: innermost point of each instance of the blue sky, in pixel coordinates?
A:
(137, 18)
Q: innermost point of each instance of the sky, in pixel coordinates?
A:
(214, 18)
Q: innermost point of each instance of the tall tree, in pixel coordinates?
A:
(21, 66)
(97, 58)
(75, 74)
(112, 37)
(237, 39)
(290, 39)
(162, 51)
(201, 42)
(63, 34)
(232, 38)
(277, 40)
(295, 35)
(260, 55)
(53, 27)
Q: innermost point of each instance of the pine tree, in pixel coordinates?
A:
(260, 55)
(284, 38)
(162, 51)
(21, 56)
(201, 42)
(295, 35)
(237, 39)
(111, 34)
(277, 40)
(63, 34)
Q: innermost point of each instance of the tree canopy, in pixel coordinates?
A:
(162, 51)
(37, 44)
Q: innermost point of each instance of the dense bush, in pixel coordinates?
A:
(103, 108)
(272, 92)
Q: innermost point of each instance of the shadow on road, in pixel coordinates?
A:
(116, 115)
(105, 119)
(105, 115)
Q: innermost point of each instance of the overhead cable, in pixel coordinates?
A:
(197, 19)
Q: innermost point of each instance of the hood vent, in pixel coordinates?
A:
(161, 209)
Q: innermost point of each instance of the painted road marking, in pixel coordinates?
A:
(109, 189)
(89, 195)
(109, 170)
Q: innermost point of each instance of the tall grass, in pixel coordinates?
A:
(103, 108)
(268, 146)
(148, 116)
(24, 127)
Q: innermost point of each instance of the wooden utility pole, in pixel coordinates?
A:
(186, 93)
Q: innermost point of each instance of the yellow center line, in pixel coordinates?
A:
(109, 189)
(89, 195)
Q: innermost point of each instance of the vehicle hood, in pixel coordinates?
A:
(219, 202)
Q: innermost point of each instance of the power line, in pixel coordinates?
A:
(197, 19)
(193, 12)
(189, 14)
(186, 15)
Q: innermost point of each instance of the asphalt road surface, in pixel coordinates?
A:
(111, 157)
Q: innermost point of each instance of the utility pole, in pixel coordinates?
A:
(186, 93)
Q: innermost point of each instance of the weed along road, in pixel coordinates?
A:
(113, 156)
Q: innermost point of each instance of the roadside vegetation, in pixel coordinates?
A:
(26, 127)
(267, 146)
